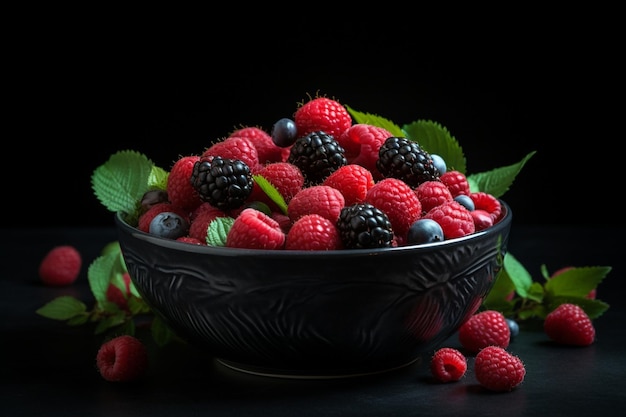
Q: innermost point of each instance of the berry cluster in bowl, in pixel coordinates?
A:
(329, 178)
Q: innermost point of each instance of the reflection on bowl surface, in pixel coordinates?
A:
(315, 314)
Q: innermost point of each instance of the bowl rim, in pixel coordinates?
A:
(124, 227)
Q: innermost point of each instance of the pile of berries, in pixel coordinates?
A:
(340, 186)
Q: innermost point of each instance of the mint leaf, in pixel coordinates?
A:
(271, 191)
(63, 308)
(436, 139)
(218, 231)
(497, 181)
(374, 120)
(158, 178)
(120, 182)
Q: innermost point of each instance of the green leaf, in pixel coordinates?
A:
(99, 274)
(501, 290)
(158, 178)
(110, 322)
(161, 333)
(374, 120)
(271, 191)
(576, 282)
(535, 292)
(121, 182)
(62, 308)
(218, 231)
(436, 139)
(521, 278)
(497, 181)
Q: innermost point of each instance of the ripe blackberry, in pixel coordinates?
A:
(224, 183)
(317, 155)
(404, 159)
(363, 226)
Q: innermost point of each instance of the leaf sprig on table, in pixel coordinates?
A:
(121, 182)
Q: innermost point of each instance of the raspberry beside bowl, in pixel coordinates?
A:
(317, 314)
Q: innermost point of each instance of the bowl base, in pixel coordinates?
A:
(311, 373)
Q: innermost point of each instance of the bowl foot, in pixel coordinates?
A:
(311, 373)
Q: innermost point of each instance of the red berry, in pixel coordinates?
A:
(488, 203)
(568, 324)
(398, 201)
(369, 140)
(324, 114)
(122, 359)
(60, 266)
(179, 189)
(454, 219)
(267, 151)
(253, 229)
(456, 182)
(313, 232)
(354, 181)
(432, 194)
(498, 370)
(235, 147)
(284, 176)
(448, 365)
(482, 219)
(484, 329)
(319, 199)
(203, 217)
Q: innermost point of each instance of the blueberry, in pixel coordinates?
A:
(424, 231)
(439, 163)
(465, 201)
(168, 225)
(513, 326)
(284, 132)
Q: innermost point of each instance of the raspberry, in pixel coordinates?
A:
(398, 201)
(324, 114)
(353, 181)
(456, 182)
(267, 151)
(122, 359)
(448, 365)
(255, 230)
(454, 219)
(60, 266)
(487, 202)
(313, 232)
(179, 189)
(285, 177)
(483, 329)
(235, 147)
(498, 370)
(362, 143)
(432, 194)
(146, 218)
(319, 199)
(200, 225)
(568, 324)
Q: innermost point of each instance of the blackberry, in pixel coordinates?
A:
(317, 155)
(222, 182)
(363, 226)
(404, 159)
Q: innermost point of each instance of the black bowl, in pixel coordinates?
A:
(315, 313)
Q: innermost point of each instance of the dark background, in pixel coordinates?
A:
(81, 92)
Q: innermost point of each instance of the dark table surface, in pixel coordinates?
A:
(48, 367)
